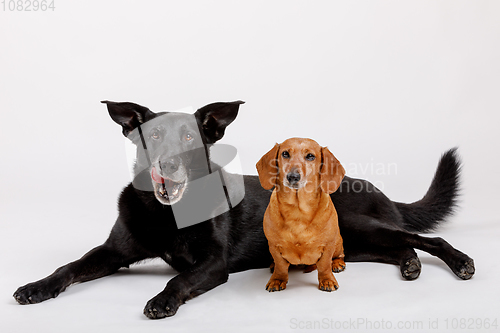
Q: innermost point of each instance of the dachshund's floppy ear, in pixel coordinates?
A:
(267, 167)
(128, 115)
(332, 172)
(214, 118)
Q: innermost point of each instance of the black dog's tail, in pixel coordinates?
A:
(440, 200)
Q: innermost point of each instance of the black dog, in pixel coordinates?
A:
(373, 227)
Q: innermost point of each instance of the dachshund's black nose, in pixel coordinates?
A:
(293, 177)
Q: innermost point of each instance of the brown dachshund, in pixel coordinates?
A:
(300, 222)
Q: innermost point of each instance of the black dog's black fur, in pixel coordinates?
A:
(373, 228)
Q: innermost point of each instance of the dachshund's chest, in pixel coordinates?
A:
(300, 236)
(301, 246)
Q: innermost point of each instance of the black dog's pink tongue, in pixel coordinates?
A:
(156, 177)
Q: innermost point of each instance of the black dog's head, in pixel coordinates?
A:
(171, 146)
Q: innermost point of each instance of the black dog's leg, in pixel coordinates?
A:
(201, 277)
(460, 263)
(100, 261)
(364, 230)
(405, 258)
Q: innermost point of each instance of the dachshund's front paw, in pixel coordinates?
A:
(328, 285)
(276, 285)
(338, 265)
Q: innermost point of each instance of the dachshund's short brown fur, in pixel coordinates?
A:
(300, 222)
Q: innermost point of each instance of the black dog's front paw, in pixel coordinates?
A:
(37, 292)
(160, 307)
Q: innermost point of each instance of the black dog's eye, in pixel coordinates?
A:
(285, 154)
(310, 157)
(188, 137)
(155, 134)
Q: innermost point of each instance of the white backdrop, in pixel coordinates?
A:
(388, 86)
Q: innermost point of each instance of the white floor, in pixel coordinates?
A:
(383, 84)
(371, 296)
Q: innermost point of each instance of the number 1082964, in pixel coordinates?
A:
(28, 5)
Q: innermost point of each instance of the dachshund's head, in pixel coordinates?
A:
(300, 164)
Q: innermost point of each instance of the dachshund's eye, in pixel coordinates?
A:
(188, 137)
(155, 134)
(310, 157)
(285, 154)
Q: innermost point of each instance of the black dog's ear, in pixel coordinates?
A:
(214, 118)
(128, 115)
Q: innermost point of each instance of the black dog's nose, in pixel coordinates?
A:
(170, 166)
(293, 177)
